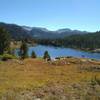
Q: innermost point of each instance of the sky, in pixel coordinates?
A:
(52, 14)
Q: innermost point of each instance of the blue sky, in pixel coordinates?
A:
(52, 14)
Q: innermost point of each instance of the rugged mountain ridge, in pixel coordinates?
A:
(19, 32)
(16, 31)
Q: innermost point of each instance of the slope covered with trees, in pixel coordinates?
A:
(16, 32)
(86, 41)
(90, 41)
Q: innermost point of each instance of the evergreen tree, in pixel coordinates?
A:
(23, 50)
(33, 55)
(4, 41)
(46, 56)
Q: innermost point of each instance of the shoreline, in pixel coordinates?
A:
(15, 45)
(96, 50)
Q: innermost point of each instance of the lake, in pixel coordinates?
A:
(61, 52)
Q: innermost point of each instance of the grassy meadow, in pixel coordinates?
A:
(35, 75)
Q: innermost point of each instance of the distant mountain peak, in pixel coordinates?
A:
(64, 30)
(40, 28)
(27, 28)
(39, 32)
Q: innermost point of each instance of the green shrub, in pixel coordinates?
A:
(97, 80)
(6, 57)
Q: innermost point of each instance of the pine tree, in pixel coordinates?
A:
(4, 41)
(33, 55)
(23, 50)
(46, 56)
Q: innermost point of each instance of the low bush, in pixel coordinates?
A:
(6, 57)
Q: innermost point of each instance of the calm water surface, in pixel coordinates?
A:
(59, 52)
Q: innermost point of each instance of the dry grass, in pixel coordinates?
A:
(33, 73)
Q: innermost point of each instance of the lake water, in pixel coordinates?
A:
(61, 52)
